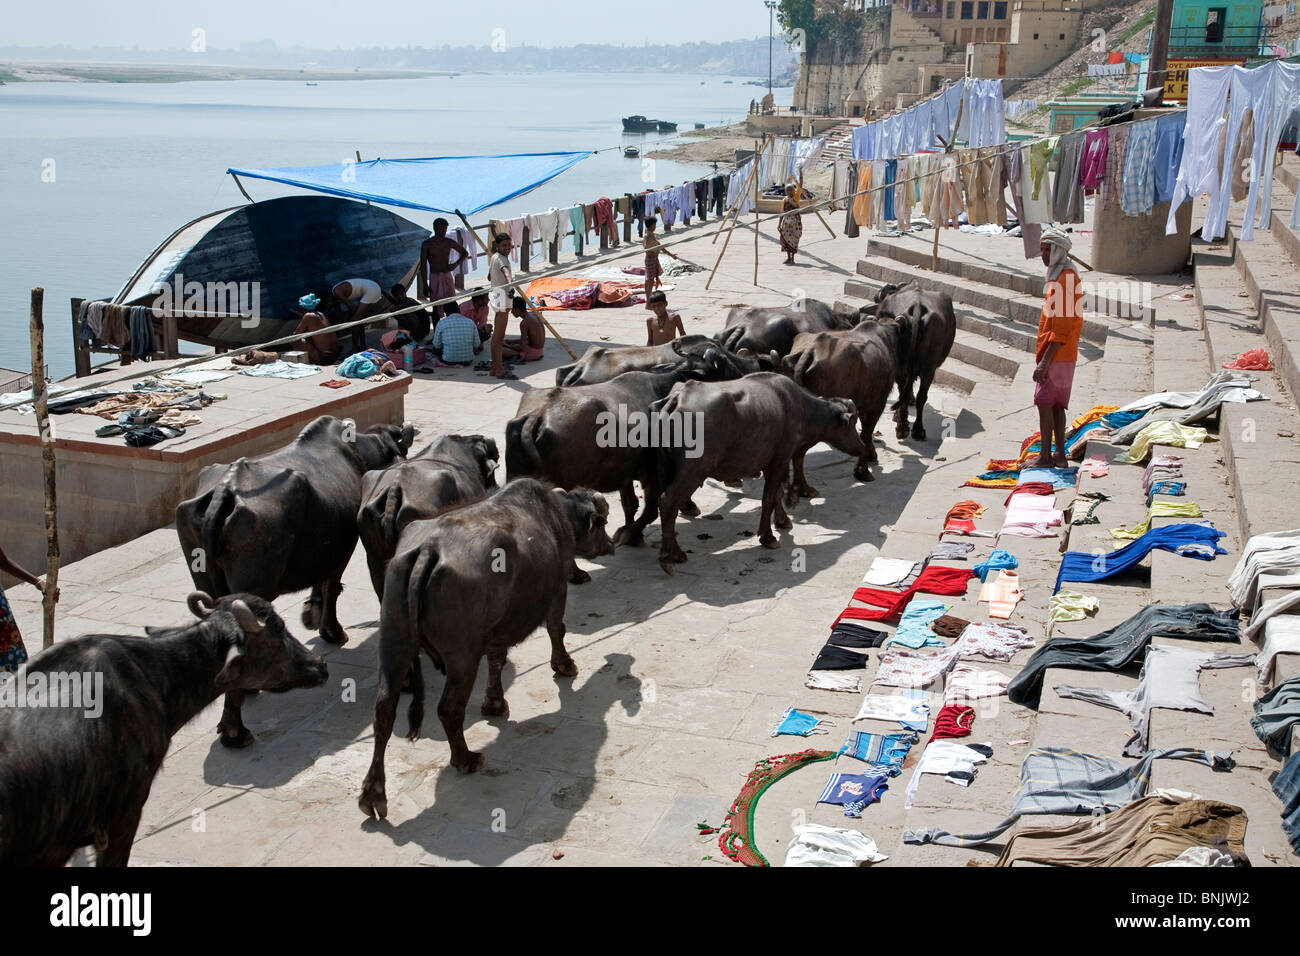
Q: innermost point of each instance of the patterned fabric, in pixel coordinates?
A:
(1116, 150)
(1138, 189)
(736, 835)
(790, 229)
(12, 653)
(885, 751)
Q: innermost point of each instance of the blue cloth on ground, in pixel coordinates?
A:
(886, 751)
(1191, 540)
(914, 626)
(1287, 787)
(798, 724)
(362, 364)
(280, 369)
(854, 791)
(1166, 488)
(1120, 419)
(1058, 478)
(997, 475)
(921, 723)
(997, 561)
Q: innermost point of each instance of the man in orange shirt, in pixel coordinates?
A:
(1059, 326)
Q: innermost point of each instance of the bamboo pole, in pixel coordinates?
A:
(756, 216)
(40, 400)
(947, 148)
(537, 315)
(735, 220)
(731, 211)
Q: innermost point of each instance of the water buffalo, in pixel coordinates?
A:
(768, 330)
(601, 363)
(934, 331)
(284, 522)
(446, 472)
(77, 769)
(476, 581)
(570, 436)
(863, 364)
(755, 424)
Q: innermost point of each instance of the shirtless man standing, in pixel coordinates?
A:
(434, 275)
(663, 326)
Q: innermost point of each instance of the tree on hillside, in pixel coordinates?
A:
(835, 23)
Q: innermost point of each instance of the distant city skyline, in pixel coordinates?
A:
(331, 24)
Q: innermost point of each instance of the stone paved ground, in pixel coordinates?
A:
(681, 678)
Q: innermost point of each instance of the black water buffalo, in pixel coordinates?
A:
(284, 522)
(601, 363)
(768, 330)
(446, 472)
(863, 364)
(572, 437)
(476, 581)
(77, 770)
(755, 424)
(933, 333)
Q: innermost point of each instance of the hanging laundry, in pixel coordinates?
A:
(1138, 190)
(910, 709)
(1207, 96)
(1116, 648)
(1160, 509)
(1062, 780)
(850, 202)
(953, 721)
(798, 724)
(1169, 153)
(854, 791)
(1030, 232)
(1092, 168)
(945, 202)
(1067, 191)
(956, 763)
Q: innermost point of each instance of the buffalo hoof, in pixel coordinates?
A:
(495, 708)
(918, 433)
(770, 542)
(734, 484)
(690, 509)
(863, 473)
(667, 564)
(374, 803)
(579, 576)
(235, 738)
(311, 615)
(565, 668)
(470, 763)
(783, 522)
(808, 491)
(334, 635)
(901, 432)
(628, 536)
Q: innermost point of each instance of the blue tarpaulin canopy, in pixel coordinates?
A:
(437, 183)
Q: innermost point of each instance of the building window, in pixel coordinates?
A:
(1035, 36)
(1061, 37)
(983, 10)
(1000, 10)
(1213, 24)
(951, 8)
(968, 9)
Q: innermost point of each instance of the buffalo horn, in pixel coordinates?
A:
(248, 621)
(200, 603)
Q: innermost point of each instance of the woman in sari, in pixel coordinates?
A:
(12, 653)
(790, 228)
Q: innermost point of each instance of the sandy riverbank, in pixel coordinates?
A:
(719, 144)
(20, 71)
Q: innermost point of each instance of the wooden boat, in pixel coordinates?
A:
(288, 246)
(639, 124)
(665, 127)
(631, 152)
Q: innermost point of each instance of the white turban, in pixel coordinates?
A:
(1058, 259)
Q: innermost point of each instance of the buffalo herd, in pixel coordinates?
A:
(463, 570)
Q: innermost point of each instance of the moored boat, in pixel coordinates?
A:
(639, 124)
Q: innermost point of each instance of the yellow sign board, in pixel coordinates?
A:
(1176, 77)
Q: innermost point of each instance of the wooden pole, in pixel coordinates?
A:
(40, 401)
(537, 315)
(734, 214)
(947, 148)
(731, 212)
(756, 178)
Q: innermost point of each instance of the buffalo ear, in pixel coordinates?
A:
(233, 671)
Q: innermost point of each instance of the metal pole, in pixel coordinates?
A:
(771, 6)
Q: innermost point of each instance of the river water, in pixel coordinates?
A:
(94, 176)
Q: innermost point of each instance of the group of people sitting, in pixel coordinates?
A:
(453, 331)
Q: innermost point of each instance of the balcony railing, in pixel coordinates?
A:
(1224, 41)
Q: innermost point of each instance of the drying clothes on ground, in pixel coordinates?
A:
(1138, 189)
(1270, 553)
(833, 680)
(910, 709)
(887, 605)
(1093, 165)
(949, 625)
(1089, 517)
(832, 658)
(964, 509)
(1003, 593)
(798, 724)
(1222, 382)
(909, 669)
(951, 551)
(997, 561)
(1030, 488)
(1276, 714)
(817, 845)
(854, 791)
(1160, 509)
(1057, 477)
(1152, 831)
(997, 642)
(884, 751)
(1160, 468)
(914, 626)
(1203, 856)
(956, 762)
(1281, 636)
(1060, 780)
(973, 683)
(1069, 606)
(736, 835)
(846, 634)
(1096, 467)
(1170, 678)
(1031, 516)
(1175, 488)
(196, 376)
(1254, 360)
(953, 721)
(1067, 192)
(966, 527)
(283, 370)
(887, 572)
(1287, 787)
(1118, 647)
(1187, 540)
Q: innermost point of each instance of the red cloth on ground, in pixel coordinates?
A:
(888, 605)
(1030, 488)
(958, 526)
(953, 721)
(1254, 360)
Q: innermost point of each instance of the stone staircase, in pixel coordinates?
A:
(839, 143)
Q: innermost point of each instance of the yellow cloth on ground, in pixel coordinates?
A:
(1069, 606)
(1162, 433)
(1159, 509)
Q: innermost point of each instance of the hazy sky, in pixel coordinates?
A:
(159, 24)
